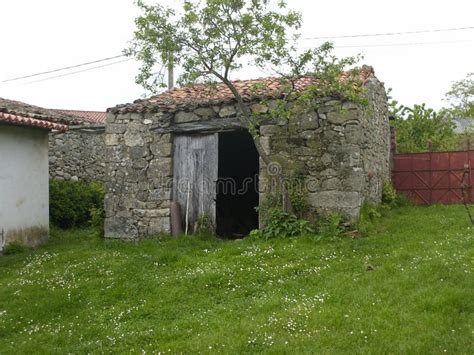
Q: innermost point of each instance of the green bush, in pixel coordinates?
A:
(391, 198)
(389, 194)
(76, 203)
(282, 224)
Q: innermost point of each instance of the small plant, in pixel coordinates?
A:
(368, 214)
(391, 198)
(204, 225)
(14, 248)
(330, 225)
(279, 223)
(298, 195)
(389, 194)
(97, 219)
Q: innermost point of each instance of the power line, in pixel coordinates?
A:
(401, 44)
(79, 71)
(391, 33)
(63, 68)
(306, 38)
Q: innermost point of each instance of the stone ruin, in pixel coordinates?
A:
(341, 150)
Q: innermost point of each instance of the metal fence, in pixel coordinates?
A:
(432, 177)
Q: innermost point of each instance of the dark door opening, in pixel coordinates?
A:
(237, 185)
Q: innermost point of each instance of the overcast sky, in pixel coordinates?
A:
(38, 36)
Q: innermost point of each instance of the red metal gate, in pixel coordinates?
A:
(429, 178)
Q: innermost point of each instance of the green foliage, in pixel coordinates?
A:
(97, 217)
(389, 194)
(330, 225)
(278, 223)
(209, 39)
(76, 203)
(204, 225)
(14, 247)
(461, 98)
(392, 198)
(368, 215)
(419, 126)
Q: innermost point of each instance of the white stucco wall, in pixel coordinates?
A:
(24, 191)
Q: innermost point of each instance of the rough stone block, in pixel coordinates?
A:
(227, 111)
(120, 228)
(161, 149)
(335, 199)
(159, 226)
(183, 116)
(342, 116)
(160, 167)
(259, 108)
(133, 139)
(205, 112)
(112, 139)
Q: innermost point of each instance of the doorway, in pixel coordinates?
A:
(237, 185)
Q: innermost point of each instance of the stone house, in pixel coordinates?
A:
(188, 146)
(24, 192)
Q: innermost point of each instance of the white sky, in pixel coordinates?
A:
(37, 36)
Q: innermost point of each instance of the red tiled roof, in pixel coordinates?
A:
(93, 116)
(31, 122)
(40, 113)
(206, 95)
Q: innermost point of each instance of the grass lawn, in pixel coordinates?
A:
(407, 288)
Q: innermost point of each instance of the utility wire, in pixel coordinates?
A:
(392, 33)
(64, 68)
(305, 38)
(404, 44)
(79, 71)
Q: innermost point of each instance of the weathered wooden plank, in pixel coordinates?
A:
(91, 128)
(196, 166)
(217, 125)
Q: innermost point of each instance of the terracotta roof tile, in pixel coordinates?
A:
(92, 116)
(206, 95)
(30, 122)
(26, 110)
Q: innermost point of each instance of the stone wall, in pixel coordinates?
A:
(77, 155)
(341, 149)
(138, 176)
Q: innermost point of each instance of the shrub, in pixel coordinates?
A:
(282, 224)
(389, 194)
(391, 198)
(75, 203)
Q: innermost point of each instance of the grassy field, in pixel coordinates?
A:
(407, 288)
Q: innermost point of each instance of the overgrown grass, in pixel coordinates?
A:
(407, 288)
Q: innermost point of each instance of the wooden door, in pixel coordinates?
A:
(195, 163)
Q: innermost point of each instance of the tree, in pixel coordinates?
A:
(210, 39)
(461, 98)
(418, 127)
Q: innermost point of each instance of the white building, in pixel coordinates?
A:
(24, 192)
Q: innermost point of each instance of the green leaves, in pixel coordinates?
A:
(461, 98)
(209, 38)
(419, 126)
